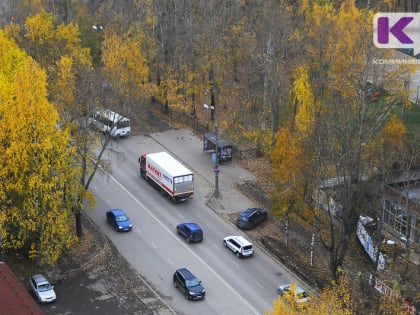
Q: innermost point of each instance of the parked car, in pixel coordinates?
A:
(239, 245)
(191, 231)
(250, 218)
(300, 296)
(189, 285)
(42, 289)
(119, 220)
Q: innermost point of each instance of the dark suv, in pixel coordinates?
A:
(191, 231)
(189, 285)
(250, 218)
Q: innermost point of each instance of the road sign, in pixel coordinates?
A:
(32, 252)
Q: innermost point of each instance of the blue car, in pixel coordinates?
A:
(191, 231)
(119, 220)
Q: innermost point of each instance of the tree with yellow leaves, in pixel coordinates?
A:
(38, 185)
(341, 106)
(292, 175)
(57, 48)
(335, 299)
(47, 41)
(126, 68)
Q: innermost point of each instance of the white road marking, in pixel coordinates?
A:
(170, 261)
(153, 245)
(260, 285)
(138, 231)
(227, 285)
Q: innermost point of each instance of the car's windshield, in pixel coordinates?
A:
(123, 124)
(192, 282)
(44, 287)
(243, 217)
(121, 218)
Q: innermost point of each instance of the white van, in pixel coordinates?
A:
(239, 245)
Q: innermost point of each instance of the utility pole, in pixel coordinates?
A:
(207, 107)
(216, 168)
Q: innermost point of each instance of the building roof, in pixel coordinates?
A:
(14, 298)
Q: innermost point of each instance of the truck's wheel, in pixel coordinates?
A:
(238, 255)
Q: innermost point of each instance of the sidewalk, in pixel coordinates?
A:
(186, 147)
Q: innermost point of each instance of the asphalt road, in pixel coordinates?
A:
(153, 249)
(133, 274)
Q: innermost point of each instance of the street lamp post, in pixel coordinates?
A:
(207, 112)
(215, 156)
(216, 167)
(207, 107)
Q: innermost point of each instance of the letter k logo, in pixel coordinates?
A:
(397, 30)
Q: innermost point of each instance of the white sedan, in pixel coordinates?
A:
(42, 289)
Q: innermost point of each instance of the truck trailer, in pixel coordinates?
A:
(167, 174)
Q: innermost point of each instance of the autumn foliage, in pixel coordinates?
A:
(335, 299)
(35, 174)
(291, 78)
(336, 135)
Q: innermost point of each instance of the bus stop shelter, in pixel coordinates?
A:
(224, 147)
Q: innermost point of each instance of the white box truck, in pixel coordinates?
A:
(170, 176)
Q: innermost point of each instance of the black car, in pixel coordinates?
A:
(250, 218)
(189, 285)
(191, 231)
(119, 220)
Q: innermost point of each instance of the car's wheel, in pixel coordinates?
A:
(187, 296)
(188, 240)
(175, 285)
(238, 254)
(224, 243)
